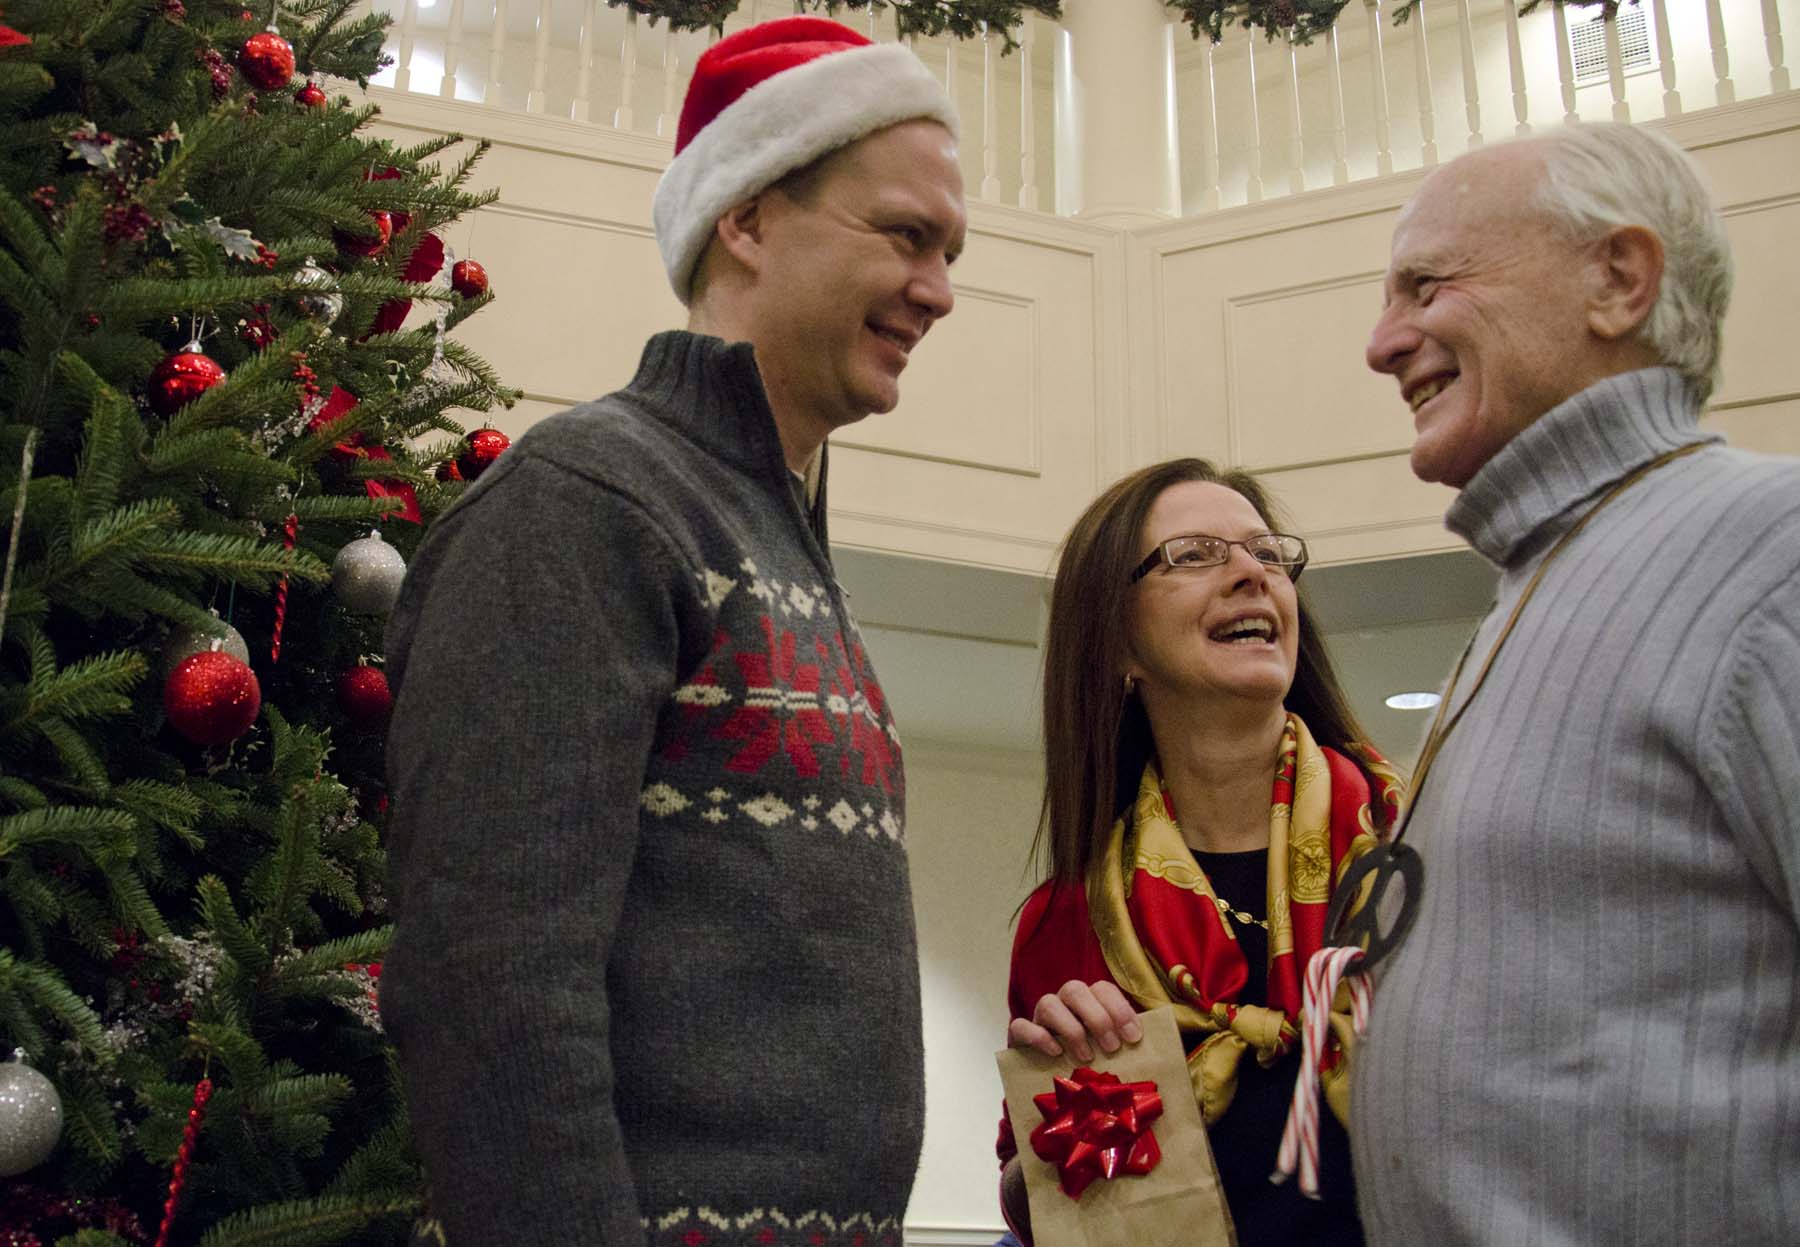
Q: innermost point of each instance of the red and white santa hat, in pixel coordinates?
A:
(771, 99)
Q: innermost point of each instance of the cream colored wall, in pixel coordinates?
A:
(1078, 351)
(970, 817)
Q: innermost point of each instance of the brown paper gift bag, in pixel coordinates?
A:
(1177, 1204)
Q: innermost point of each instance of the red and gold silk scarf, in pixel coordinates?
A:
(1167, 943)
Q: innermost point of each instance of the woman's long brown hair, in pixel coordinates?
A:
(1096, 739)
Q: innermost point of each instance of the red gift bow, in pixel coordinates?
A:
(1097, 1127)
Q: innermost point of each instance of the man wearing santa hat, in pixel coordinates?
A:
(655, 977)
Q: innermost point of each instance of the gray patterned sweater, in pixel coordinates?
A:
(655, 975)
(1592, 1036)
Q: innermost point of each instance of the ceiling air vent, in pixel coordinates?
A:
(1587, 41)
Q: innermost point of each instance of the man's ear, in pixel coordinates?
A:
(1627, 279)
(740, 232)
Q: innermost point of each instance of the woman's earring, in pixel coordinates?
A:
(1130, 684)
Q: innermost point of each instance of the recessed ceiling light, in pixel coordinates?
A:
(1413, 701)
(426, 4)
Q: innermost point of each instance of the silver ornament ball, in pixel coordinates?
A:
(366, 575)
(320, 306)
(185, 642)
(30, 1116)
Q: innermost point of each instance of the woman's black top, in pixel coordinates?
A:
(1247, 1139)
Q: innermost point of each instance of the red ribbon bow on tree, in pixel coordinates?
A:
(1097, 1127)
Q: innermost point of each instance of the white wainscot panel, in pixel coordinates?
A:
(1289, 403)
(585, 295)
(1261, 336)
(972, 395)
(1760, 363)
(993, 449)
(1364, 509)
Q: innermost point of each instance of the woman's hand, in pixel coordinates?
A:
(1074, 1016)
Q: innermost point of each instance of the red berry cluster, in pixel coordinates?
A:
(266, 256)
(258, 331)
(126, 222)
(216, 65)
(174, 10)
(45, 198)
(308, 379)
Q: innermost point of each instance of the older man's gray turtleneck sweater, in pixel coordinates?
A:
(1593, 1034)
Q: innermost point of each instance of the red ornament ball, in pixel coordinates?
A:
(310, 96)
(483, 447)
(364, 696)
(362, 244)
(181, 378)
(211, 697)
(267, 60)
(447, 471)
(468, 279)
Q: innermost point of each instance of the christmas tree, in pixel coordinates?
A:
(224, 359)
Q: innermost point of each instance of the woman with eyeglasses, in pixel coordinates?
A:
(1205, 785)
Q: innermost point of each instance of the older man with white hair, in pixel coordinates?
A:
(1592, 1035)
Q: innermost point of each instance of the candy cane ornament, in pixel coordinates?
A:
(1300, 1137)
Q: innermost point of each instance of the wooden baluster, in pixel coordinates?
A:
(1565, 67)
(625, 116)
(409, 27)
(669, 119)
(1721, 58)
(1384, 146)
(1296, 146)
(1615, 66)
(1471, 84)
(1253, 187)
(490, 90)
(990, 150)
(1209, 132)
(1778, 73)
(1028, 187)
(1428, 152)
(452, 51)
(1515, 62)
(540, 60)
(581, 109)
(1340, 164)
(1665, 59)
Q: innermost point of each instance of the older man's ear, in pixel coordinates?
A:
(1627, 277)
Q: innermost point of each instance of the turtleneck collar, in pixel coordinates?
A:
(1569, 454)
(712, 392)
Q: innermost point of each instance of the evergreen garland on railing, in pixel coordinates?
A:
(1299, 20)
(960, 19)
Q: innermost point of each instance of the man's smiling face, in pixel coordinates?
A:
(1484, 317)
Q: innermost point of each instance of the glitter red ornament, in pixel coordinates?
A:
(211, 698)
(184, 1159)
(447, 471)
(362, 244)
(181, 378)
(267, 60)
(310, 96)
(483, 446)
(364, 696)
(468, 279)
